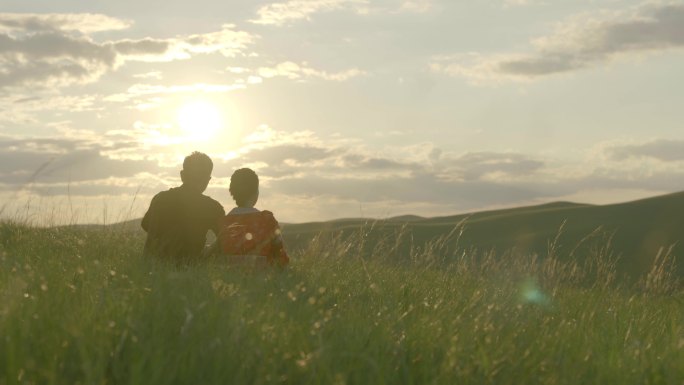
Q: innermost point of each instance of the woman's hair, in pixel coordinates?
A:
(244, 184)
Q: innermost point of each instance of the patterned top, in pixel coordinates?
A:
(252, 232)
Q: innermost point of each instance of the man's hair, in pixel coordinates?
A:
(198, 163)
(244, 183)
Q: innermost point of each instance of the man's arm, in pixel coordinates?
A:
(215, 247)
(211, 250)
(219, 213)
(145, 224)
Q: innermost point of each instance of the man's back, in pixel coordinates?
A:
(177, 223)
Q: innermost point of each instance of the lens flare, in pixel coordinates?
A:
(530, 292)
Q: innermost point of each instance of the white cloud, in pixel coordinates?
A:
(255, 79)
(581, 42)
(286, 12)
(81, 22)
(295, 71)
(157, 75)
(293, 10)
(519, 3)
(416, 6)
(228, 41)
(147, 89)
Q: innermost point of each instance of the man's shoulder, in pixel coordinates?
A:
(165, 195)
(173, 191)
(212, 204)
(207, 200)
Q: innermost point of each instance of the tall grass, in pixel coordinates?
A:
(80, 305)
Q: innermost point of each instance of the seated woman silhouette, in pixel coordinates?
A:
(247, 235)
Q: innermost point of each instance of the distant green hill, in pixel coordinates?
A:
(639, 230)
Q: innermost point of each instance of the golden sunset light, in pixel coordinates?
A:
(343, 192)
(343, 101)
(200, 120)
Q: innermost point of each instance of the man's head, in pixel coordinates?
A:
(244, 187)
(196, 171)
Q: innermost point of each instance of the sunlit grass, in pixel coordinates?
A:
(80, 305)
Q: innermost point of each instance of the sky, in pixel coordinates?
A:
(345, 108)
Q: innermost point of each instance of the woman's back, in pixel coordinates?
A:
(249, 232)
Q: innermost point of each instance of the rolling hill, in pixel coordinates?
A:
(637, 230)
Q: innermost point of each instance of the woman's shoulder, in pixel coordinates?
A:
(268, 215)
(262, 217)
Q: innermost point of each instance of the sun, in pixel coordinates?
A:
(199, 120)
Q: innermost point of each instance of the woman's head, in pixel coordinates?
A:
(244, 187)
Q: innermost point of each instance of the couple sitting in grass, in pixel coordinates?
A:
(178, 220)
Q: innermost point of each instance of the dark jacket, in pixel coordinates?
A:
(177, 223)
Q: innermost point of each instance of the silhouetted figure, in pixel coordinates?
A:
(178, 219)
(247, 235)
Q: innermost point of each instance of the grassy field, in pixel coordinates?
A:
(80, 306)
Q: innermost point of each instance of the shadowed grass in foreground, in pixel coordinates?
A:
(82, 306)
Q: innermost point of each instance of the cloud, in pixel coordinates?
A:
(287, 12)
(582, 42)
(26, 161)
(82, 22)
(303, 166)
(418, 187)
(25, 108)
(228, 41)
(148, 89)
(327, 170)
(416, 6)
(296, 71)
(354, 162)
(662, 149)
(156, 75)
(492, 165)
(304, 152)
(52, 59)
(519, 3)
(294, 10)
(47, 54)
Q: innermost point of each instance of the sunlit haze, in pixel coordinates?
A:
(345, 108)
(200, 121)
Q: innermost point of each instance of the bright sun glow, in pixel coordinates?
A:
(200, 120)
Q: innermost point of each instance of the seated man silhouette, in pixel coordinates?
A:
(178, 219)
(248, 236)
